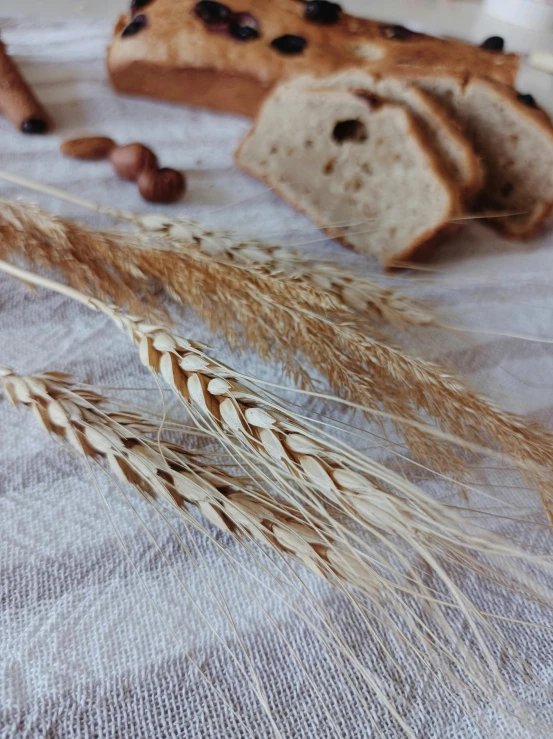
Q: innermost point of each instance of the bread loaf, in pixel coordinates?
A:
(228, 57)
(359, 166)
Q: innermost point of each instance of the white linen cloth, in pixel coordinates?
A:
(95, 643)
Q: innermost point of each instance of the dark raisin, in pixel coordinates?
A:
(34, 125)
(136, 25)
(139, 4)
(351, 130)
(212, 13)
(244, 27)
(494, 43)
(323, 12)
(289, 44)
(527, 99)
(507, 189)
(398, 33)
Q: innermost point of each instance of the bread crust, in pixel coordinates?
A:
(201, 88)
(176, 42)
(425, 244)
(474, 166)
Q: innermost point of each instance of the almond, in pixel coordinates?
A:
(91, 148)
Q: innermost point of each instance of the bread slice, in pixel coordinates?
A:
(357, 165)
(441, 131)
(515, 140)
(169, 50)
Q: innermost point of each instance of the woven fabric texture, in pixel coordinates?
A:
(107, 626)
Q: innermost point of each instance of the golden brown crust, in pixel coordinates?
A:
(529, 227)
(520, 226)
(536, 115)
(475, 181)
(523, 227)
(200, 87)
(423, 247)
(175, 41)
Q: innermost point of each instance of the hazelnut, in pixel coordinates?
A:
(130, 161)
(162, 185)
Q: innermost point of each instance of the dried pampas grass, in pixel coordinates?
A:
(282, 317)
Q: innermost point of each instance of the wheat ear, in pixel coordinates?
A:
(275, 320)
(327, 281)
(167, 471)
(350, 292)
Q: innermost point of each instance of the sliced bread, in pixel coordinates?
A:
(441, 131)
(359, 166)
(514, 138)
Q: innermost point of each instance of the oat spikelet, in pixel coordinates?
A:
(279, 318)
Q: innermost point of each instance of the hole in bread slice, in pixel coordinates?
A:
(352, 130)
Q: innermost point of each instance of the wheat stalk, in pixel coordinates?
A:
(247, 420)
(166, 471)
(277, 317)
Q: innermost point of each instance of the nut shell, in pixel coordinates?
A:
(92, 148)
(130, 161)
(162, 185)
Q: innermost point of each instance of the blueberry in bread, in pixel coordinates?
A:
(227, 56)
(359, 166)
